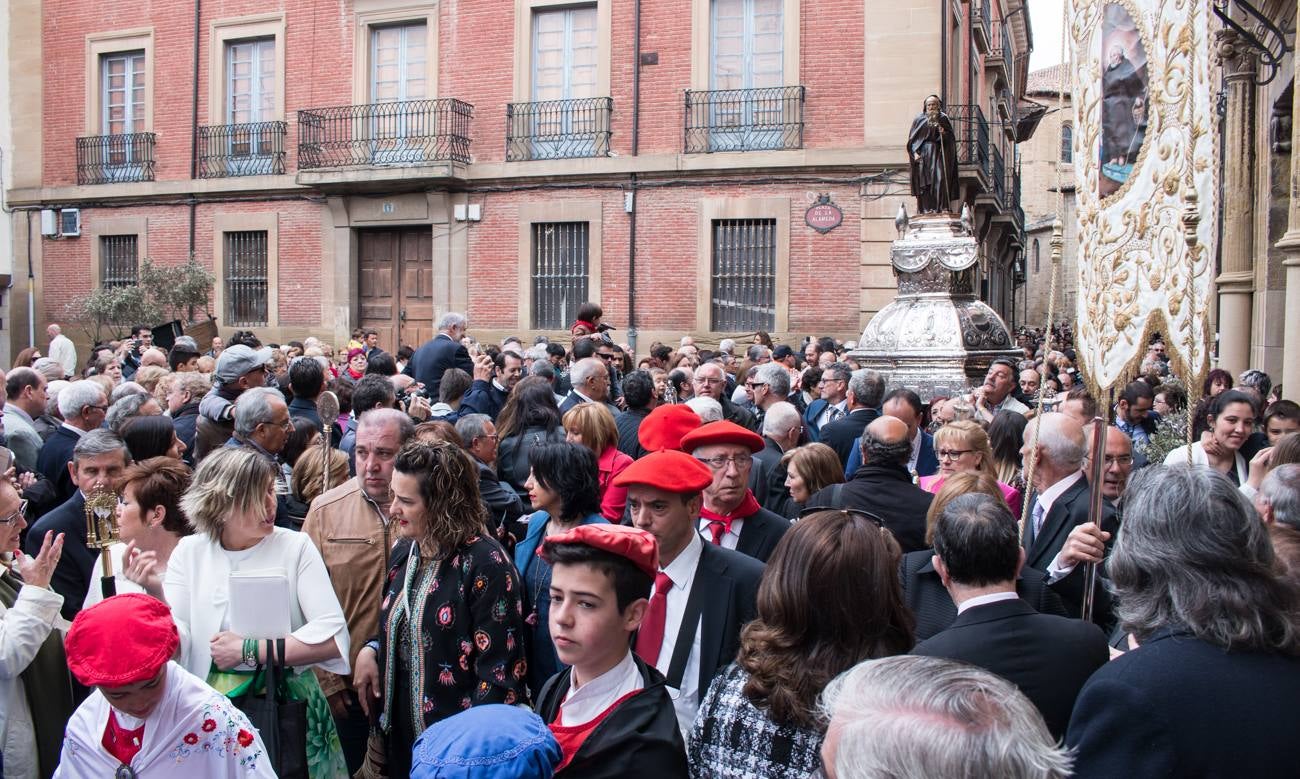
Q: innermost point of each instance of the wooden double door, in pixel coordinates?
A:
(395, 269)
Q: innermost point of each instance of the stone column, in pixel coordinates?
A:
(1236, 281)
(1290, 243)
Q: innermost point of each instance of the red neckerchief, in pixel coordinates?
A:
(747, 508)
(121, 743)
(583, 323)
(572, 737)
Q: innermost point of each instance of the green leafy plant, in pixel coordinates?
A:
(178, 290)
(162, 292)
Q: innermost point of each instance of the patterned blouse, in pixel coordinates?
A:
(733, 738)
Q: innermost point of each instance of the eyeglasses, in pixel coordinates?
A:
(859, 513)
(952, 454)
(1123, 459)
(755, 384)
(492, 437)
(13, 518)
(98, 408)
(741, 461)
(604, 356)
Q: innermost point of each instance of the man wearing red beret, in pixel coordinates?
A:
(731, 516)
(703, 594)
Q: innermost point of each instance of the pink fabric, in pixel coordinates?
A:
(1011, 495)
(612, 498)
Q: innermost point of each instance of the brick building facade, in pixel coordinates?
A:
(379, 162)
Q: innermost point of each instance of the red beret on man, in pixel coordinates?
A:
(664, 427)
(668, 470)
(121, 640)
(722, 432)
(637, 546)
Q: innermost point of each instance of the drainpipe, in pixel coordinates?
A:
(194, 122)
(636, 139)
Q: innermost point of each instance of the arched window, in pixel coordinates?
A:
(1036, 255)
(1067, 143)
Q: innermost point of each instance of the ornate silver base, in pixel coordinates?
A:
(935, 338)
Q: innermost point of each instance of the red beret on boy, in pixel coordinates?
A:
(638, 546)
(121, 640)
(722, 432)
(669, 470)
(664, 427)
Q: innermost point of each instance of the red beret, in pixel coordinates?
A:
(722, 432)
(636, 545)
(664, 427)
(121, 640)
(669, 470)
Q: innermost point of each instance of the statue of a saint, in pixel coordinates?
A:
(932, 152)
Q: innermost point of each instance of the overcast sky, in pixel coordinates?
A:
(1045, 16)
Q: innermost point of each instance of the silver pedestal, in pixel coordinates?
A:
(935, 338)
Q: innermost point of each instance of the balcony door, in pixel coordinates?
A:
(122, 96)
(250, 101)
(564, 60)
(398, 124)
(747, 54)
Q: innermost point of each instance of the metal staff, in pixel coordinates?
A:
(327, 405)
(1096, 471)
(102, 533)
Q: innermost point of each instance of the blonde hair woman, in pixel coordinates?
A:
(810, 468)
(231, 505)
(964, 446)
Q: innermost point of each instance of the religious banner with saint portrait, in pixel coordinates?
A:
(1144, 151)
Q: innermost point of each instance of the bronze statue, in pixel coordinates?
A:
(932, 153)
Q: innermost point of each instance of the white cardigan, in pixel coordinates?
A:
(1179, 457)
(197, 585)
(22, 631)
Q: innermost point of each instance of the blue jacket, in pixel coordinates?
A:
(526, 550)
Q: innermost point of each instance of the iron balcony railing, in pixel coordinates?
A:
(254, 149)
(1002, 52)
(999, 175)
(411, 132)
(972, 131)
(558, 129)
(982, 24)
(113, 159)
(744, 119)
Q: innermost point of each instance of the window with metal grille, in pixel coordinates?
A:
(560, 252)
(744, 274)
(246, 278)
(118, 263)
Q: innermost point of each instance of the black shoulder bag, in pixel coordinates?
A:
(281, 722)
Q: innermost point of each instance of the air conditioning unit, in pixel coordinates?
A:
(70, 222)
(50, 223)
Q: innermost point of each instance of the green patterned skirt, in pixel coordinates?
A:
(324, 751)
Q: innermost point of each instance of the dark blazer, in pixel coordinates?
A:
(1068, 511)
(1048, 657)
(724, 594)
(574, 399)
(840, 434)
(73, 573)
(1178, 706)
(433, 358)
(933, 607)
(53, 463)
(758, 534)
(629, 427)
(778, 498)
(502, 503)
(810, 415)
(886, 491)
(185, 422)
(738, 414)
(483, 397)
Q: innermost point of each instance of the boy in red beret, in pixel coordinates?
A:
(610, 712)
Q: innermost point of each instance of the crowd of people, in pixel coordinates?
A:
(742, 560)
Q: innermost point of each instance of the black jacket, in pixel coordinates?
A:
(1048, 657)
(185, 421)
(433, 358)
(53, 463)
(73, 573)
(738, 414)
(574, 399)
(1068, 511)
(933, 608)
(638, 738)
(885, 490)
(778, 498)
(502, 503)
(629, 426)
(1180, 707)
(758, 534)
(840, 434)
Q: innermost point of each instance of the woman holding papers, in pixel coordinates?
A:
(240, 580)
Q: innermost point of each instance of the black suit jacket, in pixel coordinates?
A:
(758, 534)
(53, 462)
(777, 498)
(885, 491)
(933, 608)
(723, 598)
(1180, 707)
(1068, 511)
(574, 399)
(629, 428)
(433, 358)
(72, 574)
(1048, 657)
(840, 434)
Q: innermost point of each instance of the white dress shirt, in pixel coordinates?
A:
(686, 700)
(983, 600)
(64, 353)
(585, 703)
(824, 418)
(729, 539)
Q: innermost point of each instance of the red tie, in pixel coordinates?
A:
(718, 529)
(650, 638)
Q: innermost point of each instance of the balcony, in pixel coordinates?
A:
(744, 119)
(972, 131)
(407, 133)
(255, 149)
(1000, 59)
(981, 20)
(115, 159)
(558, 129)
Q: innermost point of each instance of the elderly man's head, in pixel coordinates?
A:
(1118, 463)
(710, 381)
(1060, 448)
(1278, 498)
(770, 384)
(1029, 381)
(262, 418)
(885, 442)
(913, 716)
(590, 377)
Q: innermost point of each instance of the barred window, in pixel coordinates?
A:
(246, 278)
(559, 268)
(744, 275)
(118, 262)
